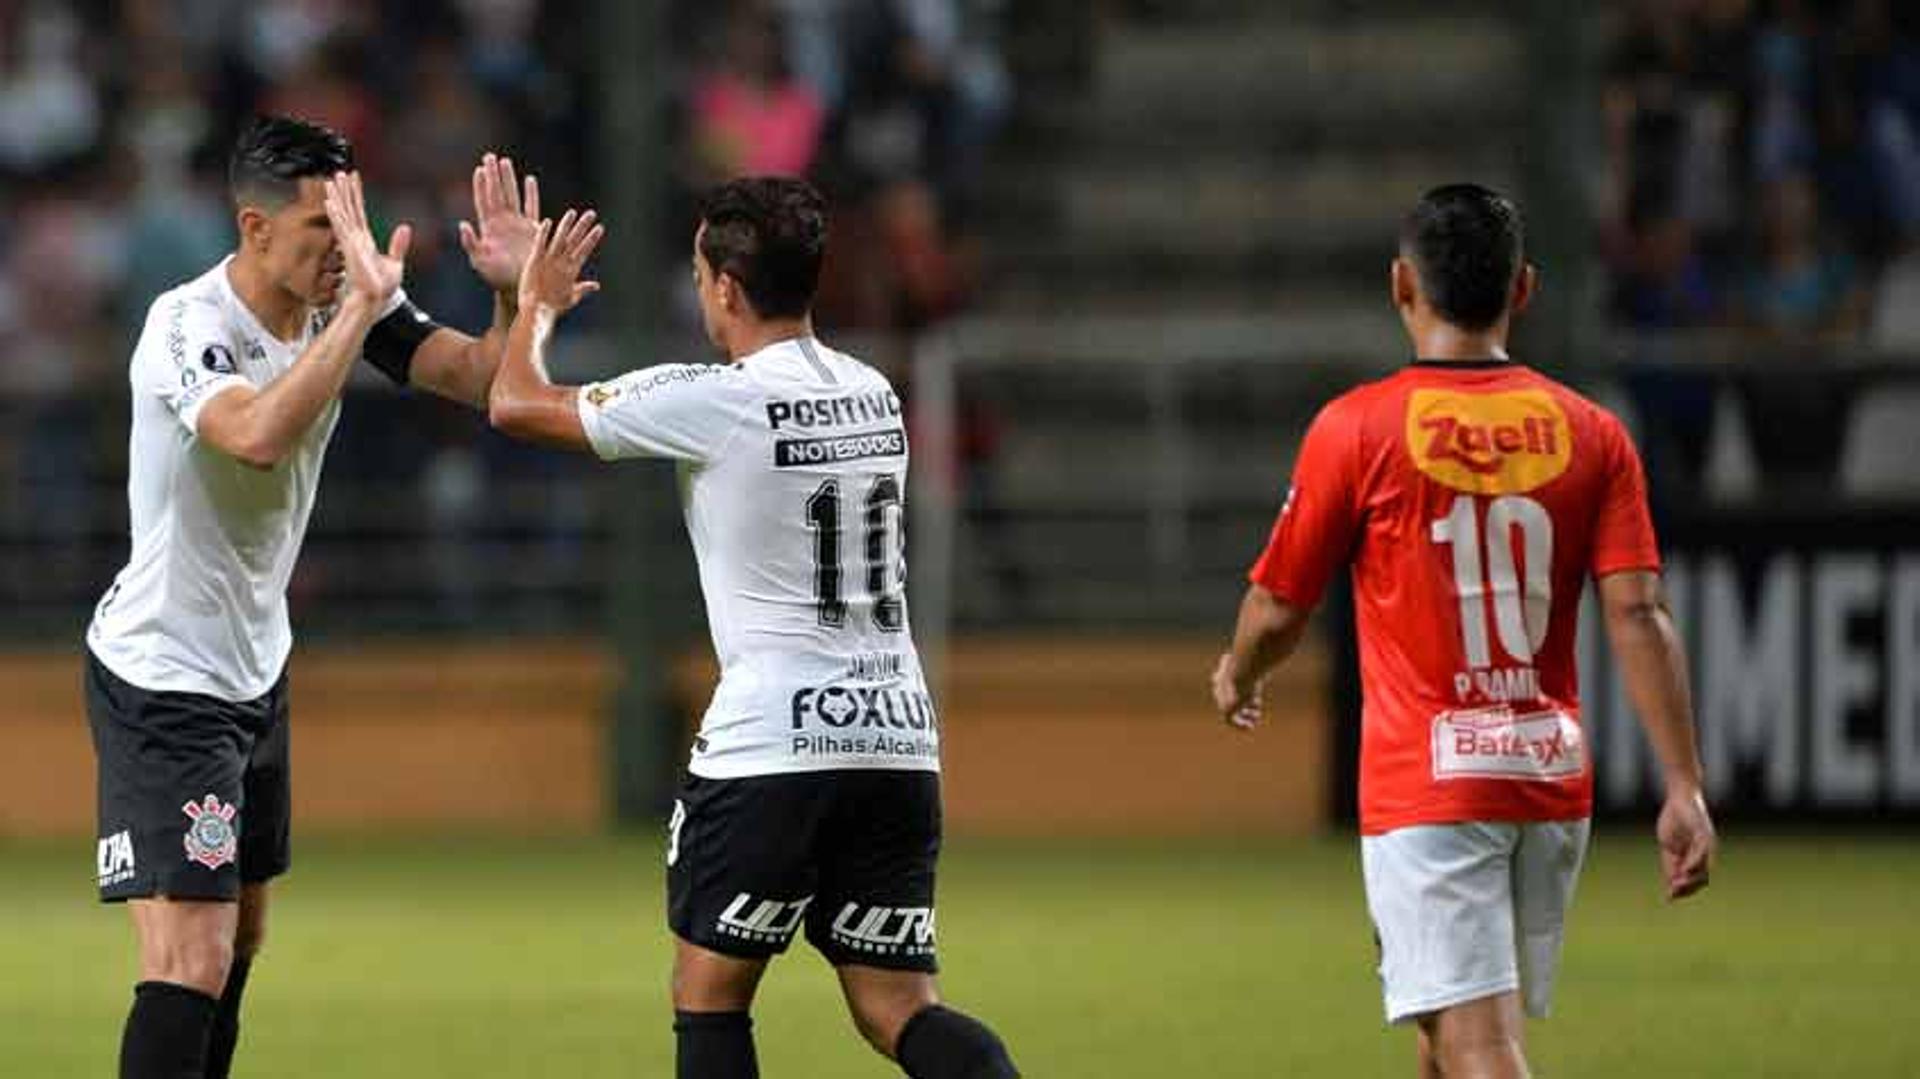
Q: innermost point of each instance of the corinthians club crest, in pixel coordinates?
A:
(210, 838)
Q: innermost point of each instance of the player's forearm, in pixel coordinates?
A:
(1653, 667)
(273, 421)
(467, 377)
(1265, 635)
(524, 403)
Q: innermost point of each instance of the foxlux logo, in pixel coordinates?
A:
(762, 921)
(885, 930)
(115, 860)
(844, 706)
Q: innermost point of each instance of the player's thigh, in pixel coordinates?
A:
(881, 1000)
(740, 868)
(185, 941)
(250, 927)
(1546, 873)
(878, 852)
(1441, 900)
(171, 791)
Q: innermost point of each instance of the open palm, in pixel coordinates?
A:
(370, 272)
(500, 242)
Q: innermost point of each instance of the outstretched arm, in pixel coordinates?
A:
(1640, 628)
(259, 427)
(450, 363)
(1266, 633)
(524, 403)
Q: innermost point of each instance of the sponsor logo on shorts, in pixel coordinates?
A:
(762, 921)
(1488, 443)
(899, 931)
(600, 393)
(115, 859)
(211, 840)
(1493, 743)
(800, 452)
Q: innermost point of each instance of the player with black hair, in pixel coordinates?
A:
(236, 382)
(813, 796)
(1472, 499)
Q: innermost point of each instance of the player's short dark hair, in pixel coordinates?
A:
(770, 234)
(274, 153)
(1466, 243)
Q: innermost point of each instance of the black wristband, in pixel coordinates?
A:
(393, 340)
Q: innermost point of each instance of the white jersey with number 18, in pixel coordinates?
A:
(793, 473)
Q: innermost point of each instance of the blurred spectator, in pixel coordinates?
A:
(1800, 286)
(49, 111)
(749, 115)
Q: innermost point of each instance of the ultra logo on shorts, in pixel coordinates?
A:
(210, 837)
(1488, 443)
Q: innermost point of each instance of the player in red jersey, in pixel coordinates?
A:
(1472, 498)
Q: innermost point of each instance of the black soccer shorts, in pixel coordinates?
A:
(849, 854)
(194, 796)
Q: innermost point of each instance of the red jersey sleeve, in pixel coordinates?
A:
(1623, 531)
(1313, 536)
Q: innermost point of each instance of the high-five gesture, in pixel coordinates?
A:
(551, 282)
(500, 240)
(369, 273)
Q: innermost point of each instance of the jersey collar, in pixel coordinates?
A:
(1464, 365)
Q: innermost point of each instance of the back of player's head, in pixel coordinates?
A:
(275, 153)
(1465, 241)
(769, 233)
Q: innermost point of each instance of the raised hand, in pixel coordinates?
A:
(501, 239)
(370, 273)
(551, 280)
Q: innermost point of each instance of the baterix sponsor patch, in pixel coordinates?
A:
(803, 452)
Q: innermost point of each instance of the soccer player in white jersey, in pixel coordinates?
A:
(236, 383)
(813, 797)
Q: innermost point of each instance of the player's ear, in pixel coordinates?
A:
(1525, 284)
(255, 226)
(1405, 284)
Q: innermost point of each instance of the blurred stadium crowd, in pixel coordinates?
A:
(1763, 168)
(116, 116)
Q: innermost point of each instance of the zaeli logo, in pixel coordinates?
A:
(1489, 443)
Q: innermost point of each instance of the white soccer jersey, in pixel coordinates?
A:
(201, 606)
(793, 468)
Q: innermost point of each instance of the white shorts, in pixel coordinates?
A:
(1466, 911)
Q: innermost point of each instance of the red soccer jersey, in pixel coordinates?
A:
(1472, 502)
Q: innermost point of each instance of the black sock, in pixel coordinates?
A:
(226, 1021)
(166, 1035)
(715, 1045)
(940, 1043)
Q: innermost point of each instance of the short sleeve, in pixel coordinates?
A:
(685, 412)
(1313, 537)
(1623, 530)
(185, 358)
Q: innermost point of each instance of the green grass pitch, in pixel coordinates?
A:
(518, 958)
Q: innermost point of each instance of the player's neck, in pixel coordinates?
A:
(1443, 342)
(748, 340)
(279, 312)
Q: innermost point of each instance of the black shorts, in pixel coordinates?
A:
(194, 795)
(848, 854)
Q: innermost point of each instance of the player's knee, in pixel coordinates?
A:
(710, 987)
(197, 960)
